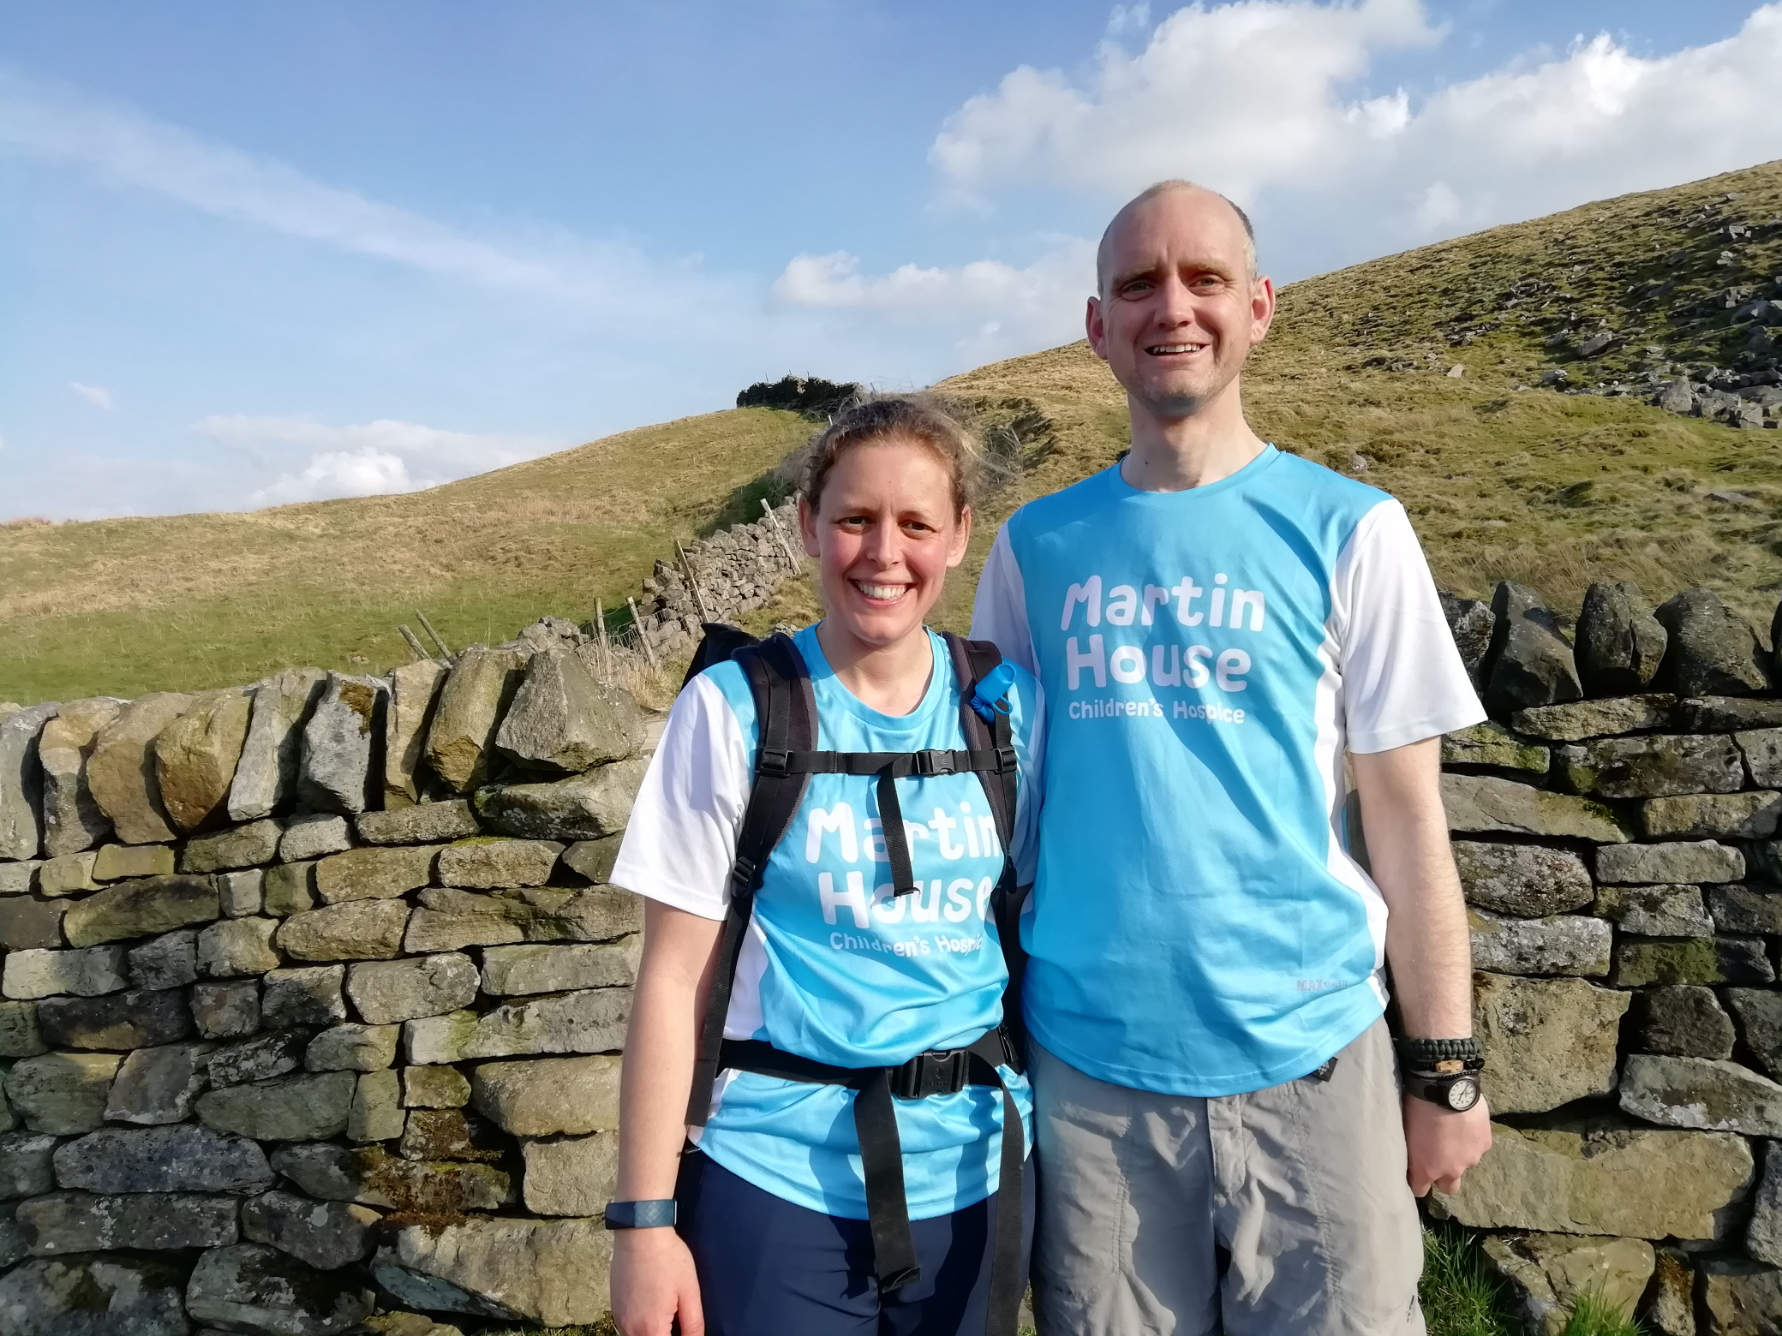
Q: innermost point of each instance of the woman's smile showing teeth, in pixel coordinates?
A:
(881, 593)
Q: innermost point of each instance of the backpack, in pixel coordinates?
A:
(785, 759)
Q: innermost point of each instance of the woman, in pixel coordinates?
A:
(868, 964)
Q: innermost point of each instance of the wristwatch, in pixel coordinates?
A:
(1456, 1091)
(640, 1214)
(1443, 1071)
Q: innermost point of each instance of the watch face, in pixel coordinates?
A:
(1463, 1093)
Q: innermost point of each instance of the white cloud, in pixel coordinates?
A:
(1267, 101)
(365, 459)
(96, 395)
(1134, 19)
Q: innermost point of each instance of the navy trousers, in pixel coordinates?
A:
(769, 1268)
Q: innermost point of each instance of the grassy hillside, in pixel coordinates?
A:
(1504, 479)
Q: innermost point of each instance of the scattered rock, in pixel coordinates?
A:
(88, 973)
(452, 919)
(255, 1288)
(1620, 642)
(449, 1134)
(593, 859)
(1471, 623)
(405, 990)
(288, 888)
(476, 696)
(63, 1093)
(183, 1158)
(1740, 1298)
(1696, 861)
(434, 1088)
(352, 1048)
(156, 1086)
(291, 1108)
(414, 691)
(226, 1010)
(241, 894)
(326, 1235)
(356, 930)
(574, 1176)
(511, 970)
(167, 961)
(313, 835)
(585, 807)
(489, 864)
(121, 768)
(1548, 1041)
(75, 1222)
(266, 776)
(1491, 744)
(1683, 1020)
(93, 1296)
(1731, 816)
(1762, 750)
(586, 1022)
(1763, 1237)
(1701, 1092)
(1565, 944)
(1654, 766)
(21, 781)
(195, 758)
(1746, 909)
(372, 1176)
(341, 766)
(1708, 714)
(563, 719)
(373, 874)
(426, 823)
(72, 820)
(1531, 663)
(118, 862)
(257, 1058)
(1485, 804)
(531, 1270)
(1578, 720)
(1712, 652)
(1655, 911)
(29, 924)
(236, 847)
(1759, 1013)
(376, 1112)
(19, 1035)
(303, 996)
(235, 947)
(1670, 1311)
(26, 1168)
(142, 908)
(1548, 1273)
(549, 1097)
(117, 1021)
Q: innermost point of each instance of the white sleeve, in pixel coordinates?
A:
(1030, 793)
(1403, 680)
(681, 839)
(999, 614)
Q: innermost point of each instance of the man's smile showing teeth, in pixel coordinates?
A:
(881, 593)
(1173, 349)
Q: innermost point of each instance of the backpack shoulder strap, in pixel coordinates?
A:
(974, 661)
(785, 722)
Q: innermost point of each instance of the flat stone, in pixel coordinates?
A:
(531, 1270)
(341, 766)
(451, 919)
(584, 807)
(1620, 643)
(139, 1018)
(226, 1010)
(12, 1242)
(1547, 1041)
(1763, 1237)
(573, 1176)
(155, 1086)
(1695, 960)
(1740, 1298)
(142, 908)
(357, 930)
(167, 961)
(550, 1096)
(313, 834)
(1471, 623)
(19, 1035)
(241, 894)
(1487, 804)
(1565, 944)
(406, 990)
(373, 874)
(288, 888)
(1675, 863)
(1684, 1020)
(1654, 766)
(1531, 663)
(475, 697)
(1589, 1179)
(1762, 750)
(1745, 959)
(1579, 720)
(251, 1287)
(372, 1176)
(414, 692)
(257, 1058)
(30, 924)
(26, 1168)
(266, 776)
(182, 1158)
(17, 878)
(488, 864)
(352, 1048)
(77, 1222)
(1721, 816)
(72, 820)
(289, 1108)
(1490, 744)
(1670, 1309)
(1548, 1273)
(586, 1022)
(376, 1113)
(1713, 714)
(237, 847)
(434, 1088)
(235, 947)
(593, 859)
(1711, 652)
(450, 1134)
(63, 1093)
(93, 1296)
(1746, 909)
(21, 781)
(1655, 911)
(119, 862)
(195, 759)
(327, 1235)
(68, 874)
(1708, 1093)
(1759, 1014)
(303, 996)
(563, 719)
(87, 973)
(424, 823)
(512, 970)
(121, 768)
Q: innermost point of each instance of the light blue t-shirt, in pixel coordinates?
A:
(835, 967)
(1208, 656)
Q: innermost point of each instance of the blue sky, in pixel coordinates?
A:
(253, 254)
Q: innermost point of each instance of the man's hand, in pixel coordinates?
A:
(653, 1284)
(1442, 1144)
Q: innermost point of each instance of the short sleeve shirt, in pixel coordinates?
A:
(835, 967)
(1208, 657)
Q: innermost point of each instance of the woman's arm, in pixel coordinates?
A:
(653, 1280)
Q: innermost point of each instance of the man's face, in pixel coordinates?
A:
(1180, 312)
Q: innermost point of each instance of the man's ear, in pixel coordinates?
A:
(807, 527)
(1093, 326)
(1262, 308)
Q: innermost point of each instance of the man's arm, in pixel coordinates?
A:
(999, 613)
(1427, 942)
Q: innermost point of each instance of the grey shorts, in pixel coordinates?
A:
(1283, 1210)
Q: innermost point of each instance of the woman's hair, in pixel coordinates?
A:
(902, 417)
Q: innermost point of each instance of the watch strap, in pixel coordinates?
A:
(655, 1214)
(1424, 1055)
(1437, 1089)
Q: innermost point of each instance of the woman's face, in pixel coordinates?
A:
(884, 538)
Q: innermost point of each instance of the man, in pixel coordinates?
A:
(1217, 625)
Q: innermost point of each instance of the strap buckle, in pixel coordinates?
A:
(936, 1072)
(1005, 759)
(930, 762)
(773, 761)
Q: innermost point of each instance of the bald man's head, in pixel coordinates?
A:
(1104, 251)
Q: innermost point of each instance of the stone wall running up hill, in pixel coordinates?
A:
(311, 993)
